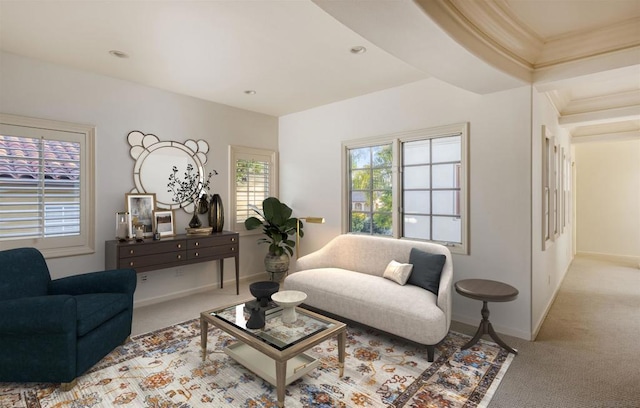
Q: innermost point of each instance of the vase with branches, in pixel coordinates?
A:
(189, 190)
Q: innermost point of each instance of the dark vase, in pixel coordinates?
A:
(216, 213)
(195, 221)
(257, 318)
(203, 204)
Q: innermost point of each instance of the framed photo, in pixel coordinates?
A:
(141, 207)
(164, 223)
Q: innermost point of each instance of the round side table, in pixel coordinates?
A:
(486, 291)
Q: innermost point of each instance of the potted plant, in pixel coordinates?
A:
(277, 224)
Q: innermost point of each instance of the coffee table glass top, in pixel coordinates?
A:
(275, 333)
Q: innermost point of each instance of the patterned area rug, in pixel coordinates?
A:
(164, 369)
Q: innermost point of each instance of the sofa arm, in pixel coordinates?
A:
(111, 281)
(38, 315)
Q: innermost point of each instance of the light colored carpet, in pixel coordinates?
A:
(587, 353)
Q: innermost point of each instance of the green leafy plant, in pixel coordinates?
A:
(277, 224)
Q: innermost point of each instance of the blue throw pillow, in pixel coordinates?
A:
(426, 269)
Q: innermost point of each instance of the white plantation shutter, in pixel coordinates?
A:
(254, 178)
(46, 199)
(39, 187)
(252, 186)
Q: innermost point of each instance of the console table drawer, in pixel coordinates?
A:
(143, 261)
(136, 250)
(211, 240)
(212, 251)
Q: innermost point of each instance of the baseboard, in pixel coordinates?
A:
(538, 325)
(624, 259)
(188, 292)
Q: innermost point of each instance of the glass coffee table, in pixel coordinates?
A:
(276, 351)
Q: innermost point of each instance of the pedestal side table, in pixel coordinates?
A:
(487, 291)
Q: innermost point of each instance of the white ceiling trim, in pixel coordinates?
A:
(606, 137)
(600, 116)
(587, 44)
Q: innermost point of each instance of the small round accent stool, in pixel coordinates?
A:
(486, 291)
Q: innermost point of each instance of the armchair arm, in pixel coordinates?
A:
(41, 314)
(111, 281)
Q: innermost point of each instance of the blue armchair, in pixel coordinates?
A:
(55, 330)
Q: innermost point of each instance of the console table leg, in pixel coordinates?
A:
(237, 274)
(221, 263)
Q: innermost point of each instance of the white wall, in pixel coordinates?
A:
(500, 174)
(549, 265)
(608, 199)
(32, 88)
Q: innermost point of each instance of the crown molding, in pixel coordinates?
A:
(606, 137)
(492, 31)
(466, 32)
(601, 116)
(628, 99)
(591, 43)
(498, 26)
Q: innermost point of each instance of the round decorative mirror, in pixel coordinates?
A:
(155, 161)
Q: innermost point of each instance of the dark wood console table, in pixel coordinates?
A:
(174, 251)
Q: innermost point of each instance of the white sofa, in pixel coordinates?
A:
(345, 278)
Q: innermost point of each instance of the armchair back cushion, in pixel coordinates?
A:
(23, 273)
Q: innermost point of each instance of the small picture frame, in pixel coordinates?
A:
(164, 223)
(141, 207)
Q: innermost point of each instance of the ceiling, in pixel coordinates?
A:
(296, 55)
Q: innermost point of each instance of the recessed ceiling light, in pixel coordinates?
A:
(250, 92)
(358, 49)
(118, 54)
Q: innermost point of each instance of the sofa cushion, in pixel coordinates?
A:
(96, 308)
(426, 269)
(407, 311)
(398, 272)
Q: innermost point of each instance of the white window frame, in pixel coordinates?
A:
(249, 153)
(84, 243)
(396, 140)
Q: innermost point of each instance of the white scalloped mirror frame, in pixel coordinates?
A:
(154, 161)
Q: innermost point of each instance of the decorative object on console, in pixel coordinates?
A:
(164, 223)
(141, 207)
(199, 231)
(216, 213)
(277, 225)
(190, 190)
(263, 291)
(123, 226)
(289, 299)
(312, 220)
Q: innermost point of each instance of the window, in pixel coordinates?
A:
(255, 175)
(411, 186)
(370, 193)
(46, 174)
